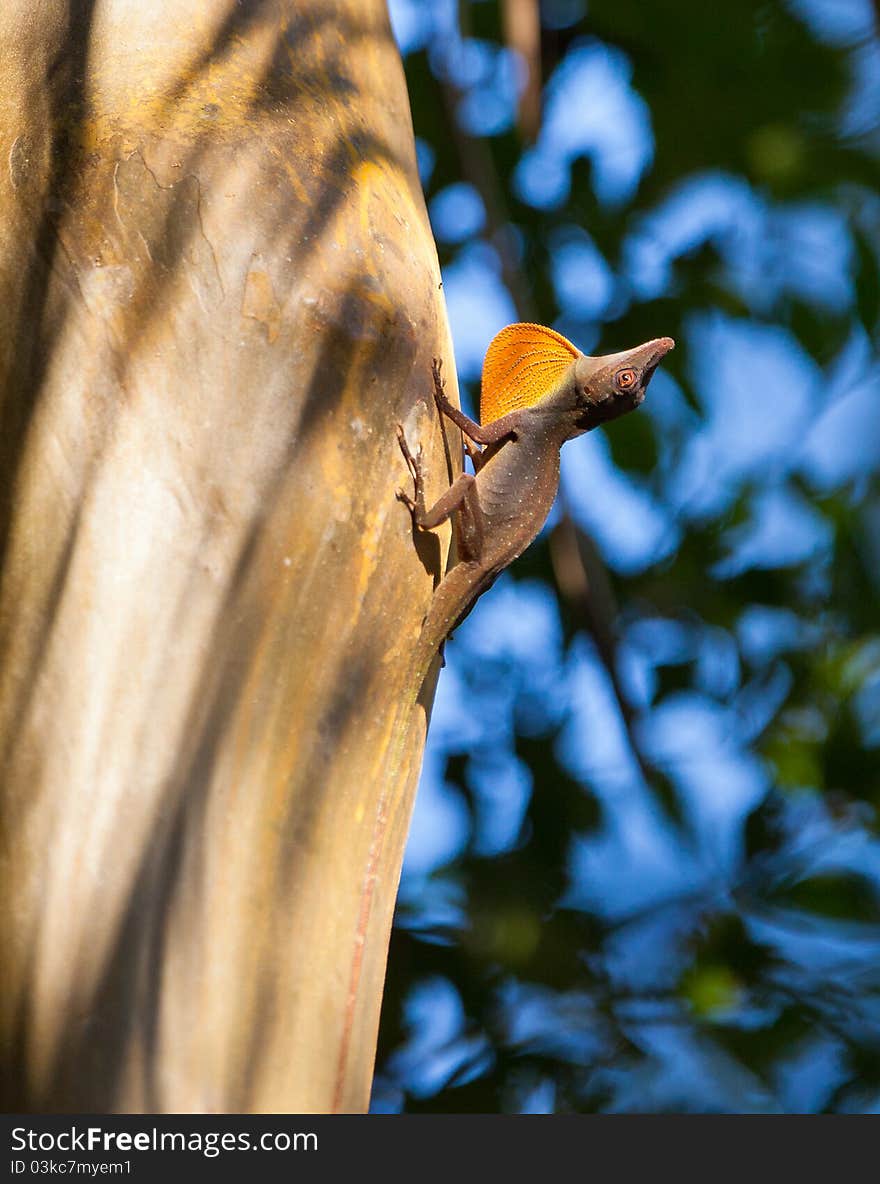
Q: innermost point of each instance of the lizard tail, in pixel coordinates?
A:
(452, 601)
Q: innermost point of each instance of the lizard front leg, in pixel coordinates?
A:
(499, 430)
(446, 408)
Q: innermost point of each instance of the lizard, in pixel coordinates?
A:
(538, 390)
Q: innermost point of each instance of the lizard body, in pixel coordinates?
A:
(538, 391)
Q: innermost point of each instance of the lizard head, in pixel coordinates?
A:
(607, 387)
(533, 369)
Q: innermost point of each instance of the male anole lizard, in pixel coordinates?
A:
(538, 391)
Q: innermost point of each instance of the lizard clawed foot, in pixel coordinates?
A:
(414, 464)
(403, 496)
(439, 387)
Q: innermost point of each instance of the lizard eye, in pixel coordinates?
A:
(625, 380)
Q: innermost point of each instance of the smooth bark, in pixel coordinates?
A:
(218, 294)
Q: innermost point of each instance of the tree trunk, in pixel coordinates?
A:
(218, 295)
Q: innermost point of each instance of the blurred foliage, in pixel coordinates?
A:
(694, 924)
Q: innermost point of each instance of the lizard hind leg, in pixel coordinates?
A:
(462, 500)
(461, 496)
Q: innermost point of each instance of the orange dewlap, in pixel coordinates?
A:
(523, 364)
